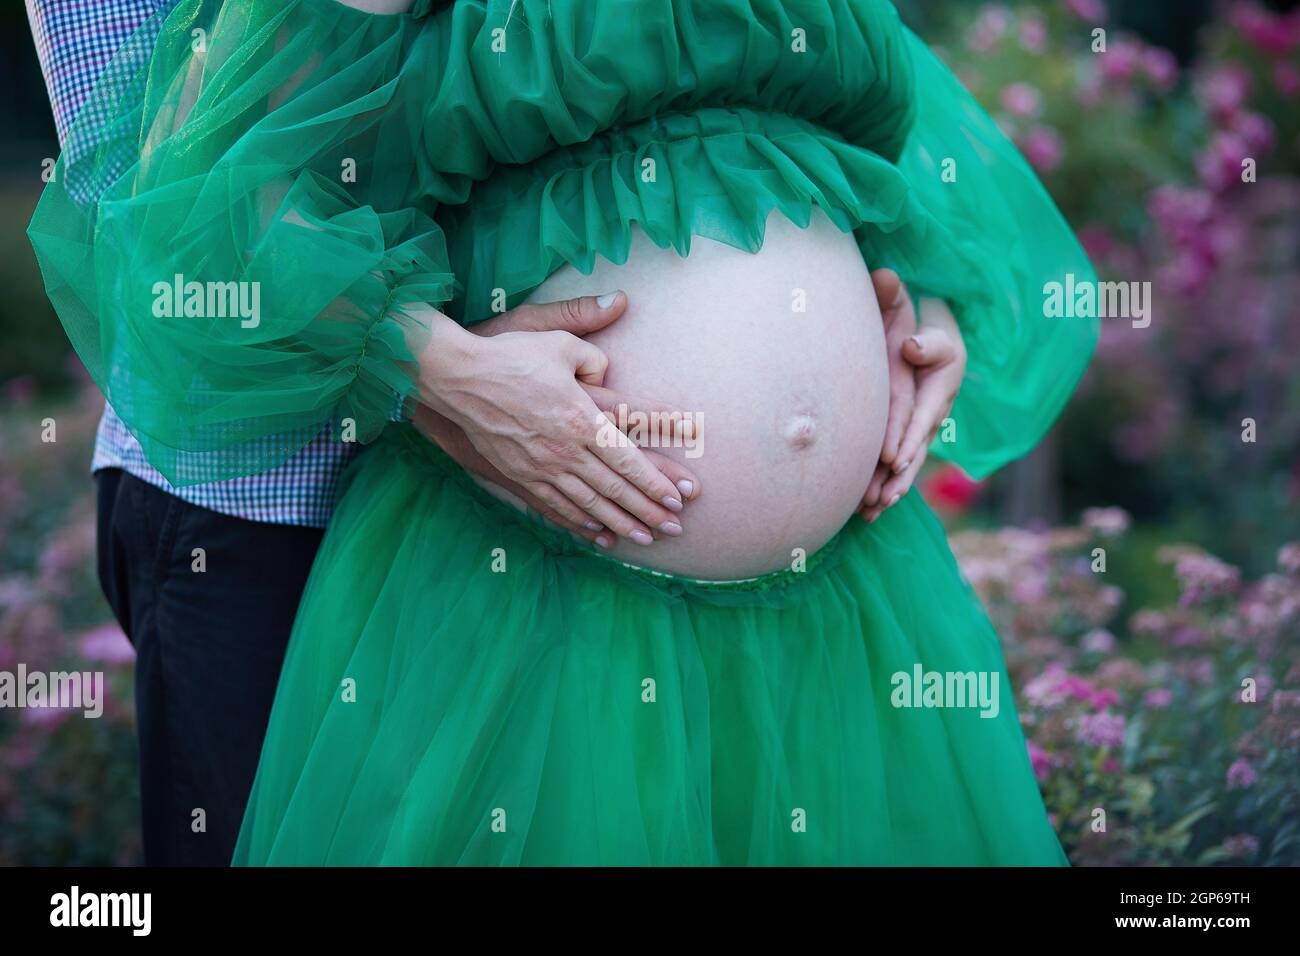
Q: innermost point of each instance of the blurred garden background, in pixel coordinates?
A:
(1143, 566)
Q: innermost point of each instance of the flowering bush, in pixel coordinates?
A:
(1160, 735)
(1187, 177)
(1067, 99)
(68, 792)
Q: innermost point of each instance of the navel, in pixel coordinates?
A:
(800, 432)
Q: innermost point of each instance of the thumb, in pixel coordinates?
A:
(589, 362)
(889, 289)
(580, 316)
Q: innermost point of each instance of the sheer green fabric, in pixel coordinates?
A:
(566, 709)
(224, 160)
(440, 707)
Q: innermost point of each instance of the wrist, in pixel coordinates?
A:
(450, 352)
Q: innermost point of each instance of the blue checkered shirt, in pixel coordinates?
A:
(75, 40)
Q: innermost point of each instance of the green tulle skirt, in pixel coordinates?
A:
(468, 686)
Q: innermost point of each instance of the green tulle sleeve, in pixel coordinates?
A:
(230, 245)
(1004, 240)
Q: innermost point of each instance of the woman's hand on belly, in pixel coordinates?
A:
(926, 368)
(519, 398)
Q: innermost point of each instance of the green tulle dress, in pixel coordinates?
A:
(435, 707)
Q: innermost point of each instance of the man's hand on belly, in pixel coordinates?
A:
(926, 366)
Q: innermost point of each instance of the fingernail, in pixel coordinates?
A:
(916, 343)
(671, 527)
(592, 525)
(872, 519)
(671, 503)
(641, 537)
(900, 468)
(606, 300)
(603, 540)
(685, 487)
(894, 500)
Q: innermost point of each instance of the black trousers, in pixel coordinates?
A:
(208, 600)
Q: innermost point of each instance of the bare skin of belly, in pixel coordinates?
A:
(779, 356)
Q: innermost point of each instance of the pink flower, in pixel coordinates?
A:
(1255, 130)
(1273, 33)
(1180, 211)
(60, 704)
(1241, 775)
(1110, 765)
(1093, 11)
(1203, 576)
(1188, 273)
(108, 644)
(1045, 689)
(1224, 89)
(1187, 636)
(1076, 687)
(1103, 699)
(1030, 589)
(1157, 698)
(949, 489)
(1096, 241)
(1043, 148)
(1288, 558)
(1101, 730)
(1121, 60)
(1021, 99)
(1106, 521)
(1219, 165)
(1160, 67)
(1098, 641)
(1039, 760)
(1033, 33)
(1122, 672)
(1148, 621)
(990, 26)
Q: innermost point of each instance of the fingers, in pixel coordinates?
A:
(901, 483)
(899, 317)
(579, 317)
(894, 488)
(655, 420)
(929, 346)
(631, 481)
(929, 415)
(682, 477)
(543, 499)
(889, 288)
(934, 398)
(559, 510)
(877, 485)
(613, 502)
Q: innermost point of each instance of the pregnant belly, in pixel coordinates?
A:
(780, 357)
